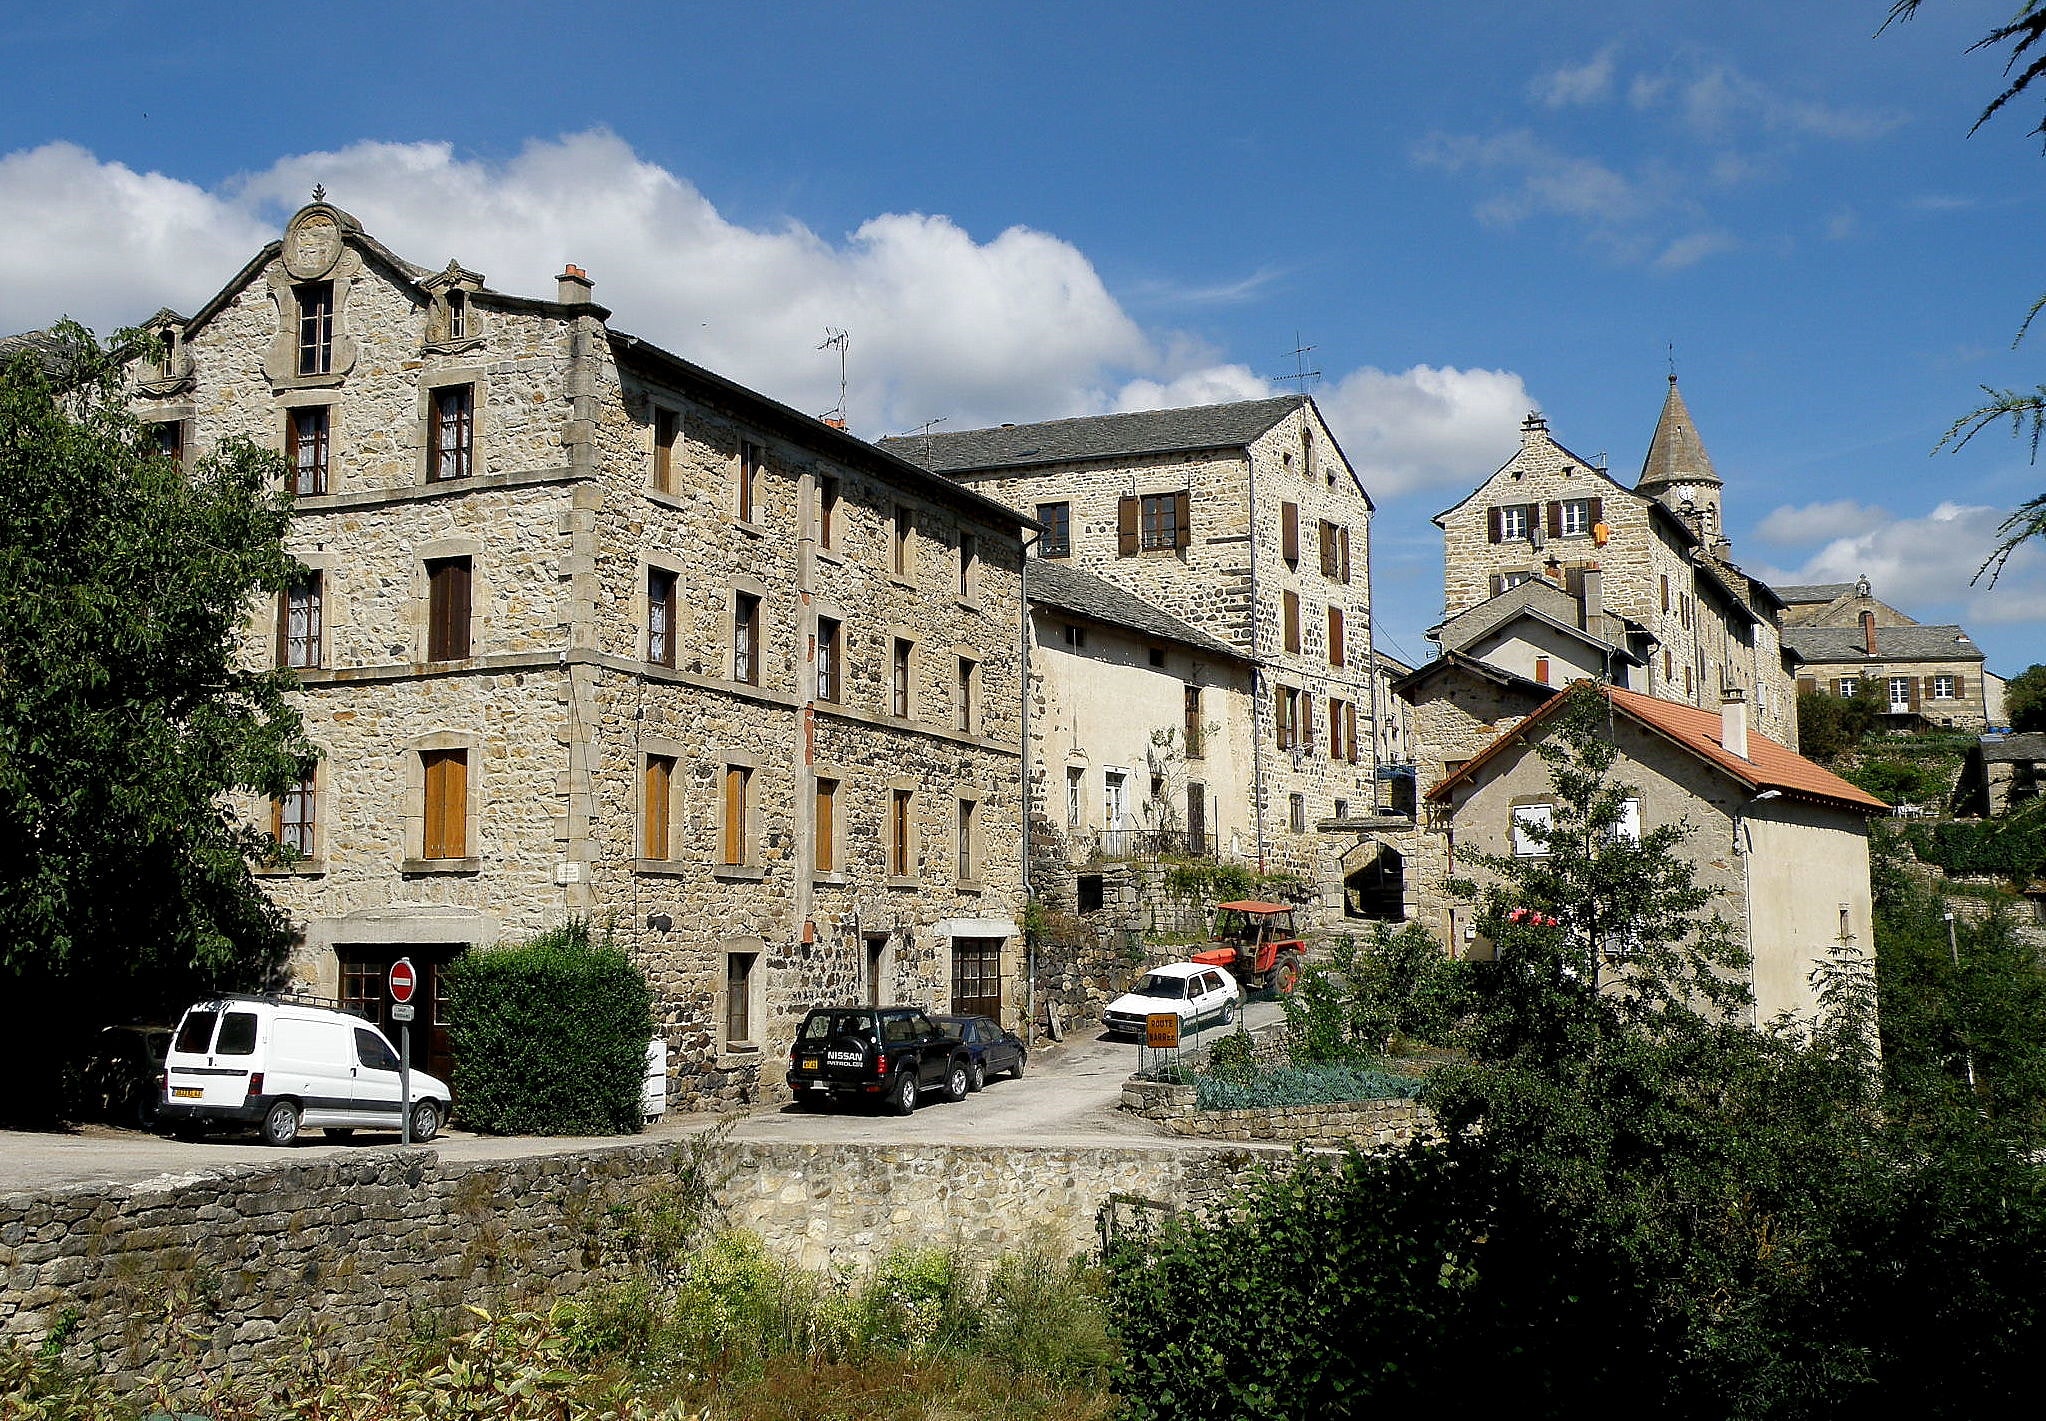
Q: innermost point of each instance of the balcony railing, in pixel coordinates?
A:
(1145, 844)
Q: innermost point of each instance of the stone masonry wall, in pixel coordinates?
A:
(240, 1266)
(1372, 1124)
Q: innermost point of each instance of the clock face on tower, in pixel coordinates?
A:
(312, 244)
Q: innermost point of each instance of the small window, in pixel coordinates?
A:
(667, 433)
(458, 315)
(1157, 656)
(903, 554)
(752, 459)
(1628, 830)
(447, 609)
(746, 638)
(824, 828)
(1531, 826)
(738, 798)
(1158, 521)
(1336, 727)
(1296, 812)
(1847, 685)
(451, 433)
(315, 327)
(1342, 809)
(1073, 636)
(1542, 669)
(299, 623)
(305, 454)
(446, 774)
(660, 617)
(1076, 779)
(1286, 713)
(969, 572)
(295, 815)
(1943, 688)
(1513, 522)
(969, 675)
(656, 807)
(739, 967)
(899, 699)
(827, 512)
(830, 634)
(1193, 722)
(1573, 518)
(967, 859)
(1514, 579)
(1057, 519)
(1331, 552)
(899, 822)
(169, 438)
(237, 1034)
(1090, 893)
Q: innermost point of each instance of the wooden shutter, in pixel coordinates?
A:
(1126, 526)
(1343, 552)
(1598, 511)
(1498, 584)
(447, 632)
(1807, 685)
(1336, 649)
(1290, 603)
(825, 857)
(1665, 592)
(735, 815)
(1960, 686)
(654, 806)
(447, 804)
(1182, 526)
(1289, 531)
(1555, 517)
(1350, 730)
(1912, 689)
(1495, 520)
(1542, 669)
(284, 628)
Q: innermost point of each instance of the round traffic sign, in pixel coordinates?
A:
(404, 980)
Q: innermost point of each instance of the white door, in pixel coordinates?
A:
(1900, 695)
(378, 1099)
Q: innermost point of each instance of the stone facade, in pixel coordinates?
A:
(1931, 675)
(646, 556)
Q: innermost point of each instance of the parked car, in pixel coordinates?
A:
(887, 1055)
(281, 1064)
(1192, 991)
(993, 1050)
(120, 1077)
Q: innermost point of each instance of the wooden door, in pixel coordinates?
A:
(977, 976)
(365, 974)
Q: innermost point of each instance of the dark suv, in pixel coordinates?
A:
(888, 1055)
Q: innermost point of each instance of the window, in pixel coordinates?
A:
(293, 817)
(1331, 552)
(1115, 798)
(1286, 713)
(447, 609)
(827, 512)
(1900, 693)
(1335, 729)
(1943, 688)
(829, 635)
(738, 800)
(315, 327)
(305, 453)
(1296, 812)
(1846, 685)
(746, 638)
(903, 555)
(446, 775)
(660, 617)
(169, 438)
(667, 429)
(1531, 826)
(1155, 656)
(899, 664)
(1159, 521)
(1289, 607)
(1073, 636)
(968, 573)
(824, 828)
(739, 997)
(899, 821)
(1342, 809)
(1337, 653)
(969, 671)
(458, 315)
(451, 433)
(1512, 521)
(1193, 722)
(657, 797)
(1076, 779)
(1542, 669)
(1573, 517)
(967, 860)
(298, 623)
(1057, 519)
(1628, 830)
(752, 458)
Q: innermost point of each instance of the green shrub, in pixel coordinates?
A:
(550, 1036)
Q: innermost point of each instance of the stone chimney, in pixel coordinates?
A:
(573, 286)
(1868, 632)
(1591, 600)
(1733, 721)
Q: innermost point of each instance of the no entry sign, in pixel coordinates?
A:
(404, 980)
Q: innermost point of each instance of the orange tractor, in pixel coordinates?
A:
(1258, 944)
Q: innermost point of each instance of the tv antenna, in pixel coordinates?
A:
(923, 431)
(840, 341)
(1301, 374)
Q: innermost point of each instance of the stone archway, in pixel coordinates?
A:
(1376, 889)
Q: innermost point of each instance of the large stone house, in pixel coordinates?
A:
(1783, 842)
(1929, 675)
(590, 630)
(1246, 522)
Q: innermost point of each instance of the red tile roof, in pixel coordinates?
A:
(1768, 765)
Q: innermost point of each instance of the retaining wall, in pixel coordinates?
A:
(1369, 1124)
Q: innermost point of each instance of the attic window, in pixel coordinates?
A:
(315, 327)
(458, 315)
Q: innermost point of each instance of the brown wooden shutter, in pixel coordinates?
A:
(735, 815)
(1290, 603)
(1665, 592)
(654, 809)
(1338, 654)
(1350, 730)
(1498, 584)
(1913, 685)
(1343, 551)
(1598, 511)
(447, 803)
(1289, 531)
(1960, 686)
(1126, 526)
(284, 628)
(1498, 530)
(1182, 535)
(825, 853)
(1807, 685)
(1555, 517)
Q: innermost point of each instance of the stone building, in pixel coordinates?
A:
(587, 629)
(2002, 774)
(1782, 841)
(1925, 675)
(1246, 522)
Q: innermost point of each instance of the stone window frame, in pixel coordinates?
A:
(904, 534)
(754, 588)
(822, 612)
(415, 750)
(290, 406)
(287, 643)
(748, 865)
(967, 849)
(748, 481)
(314, 863)
(969, 689)
(829, 772)
(430, 382)
(642, 611)
(966, 587)
(420, 613)
(280, 358)
(650, 749)
(902, 686)
(178, 420)
(753, 952)
(902, 850)
(1076, 797)
(827, 497)
(1296, 813)
(657, 410)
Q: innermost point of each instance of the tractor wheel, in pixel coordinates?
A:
(1286, 975)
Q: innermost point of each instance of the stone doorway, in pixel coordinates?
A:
(1376, 890)
(977, 976)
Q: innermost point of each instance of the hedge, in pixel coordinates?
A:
(550, 1036)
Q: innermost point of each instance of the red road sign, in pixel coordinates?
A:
(404, 980)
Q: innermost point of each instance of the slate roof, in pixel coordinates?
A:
(1055, 583)
(1103, 436)
(2026, 748)
(1917, 643)
(1536, 597)
(1675, 454)
(47, 347)
(1767, 766)
(1814, 592)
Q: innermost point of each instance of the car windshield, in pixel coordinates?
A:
(1158, 985)
(827, 1024)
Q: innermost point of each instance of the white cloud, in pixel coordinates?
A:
(1571, 85)
(1690, 250)
(1539, 178)
(1427, 427)
(1717, 102)
(1796, 527)
(1924, 565)
(1211, 385)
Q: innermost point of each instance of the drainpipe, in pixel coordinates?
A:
(1745, 852)
(1257, 672)
(1023, 759)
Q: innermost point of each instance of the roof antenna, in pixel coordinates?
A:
(924, 430)
(838, 340)
(1301, 374)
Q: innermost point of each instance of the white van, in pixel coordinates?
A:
(282, 1065)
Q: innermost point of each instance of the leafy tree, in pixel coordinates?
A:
(2024, 699)
(1828, 725)
(126, 717)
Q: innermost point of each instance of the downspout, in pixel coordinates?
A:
(1371, 660)
(1023, 759)
(1257, 673)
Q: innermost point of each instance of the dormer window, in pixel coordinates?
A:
(167, 358)
(315, 327)
(458, 315)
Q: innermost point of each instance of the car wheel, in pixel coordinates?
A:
(1229, 1011)
(1016, 1071)
(280, 1124)
(340, 1132)
(903, 1100)
(976, 1079)
(958, 1081)
(425, 1122)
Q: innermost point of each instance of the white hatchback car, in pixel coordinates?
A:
(1192, 992)
(279, 1064)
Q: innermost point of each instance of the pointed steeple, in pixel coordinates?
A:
(1676, 454)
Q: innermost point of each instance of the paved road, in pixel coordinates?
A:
(1067, 1096)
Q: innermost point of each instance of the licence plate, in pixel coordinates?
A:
(811, 1063)
(186, 1092)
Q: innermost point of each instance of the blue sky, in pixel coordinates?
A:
(1025, 211)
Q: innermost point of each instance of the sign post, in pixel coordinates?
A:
(404, 982)
(1161, 1034)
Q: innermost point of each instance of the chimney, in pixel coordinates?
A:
(1592, 600)
(1868, 632)
(572, 287)
(1733, 721)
